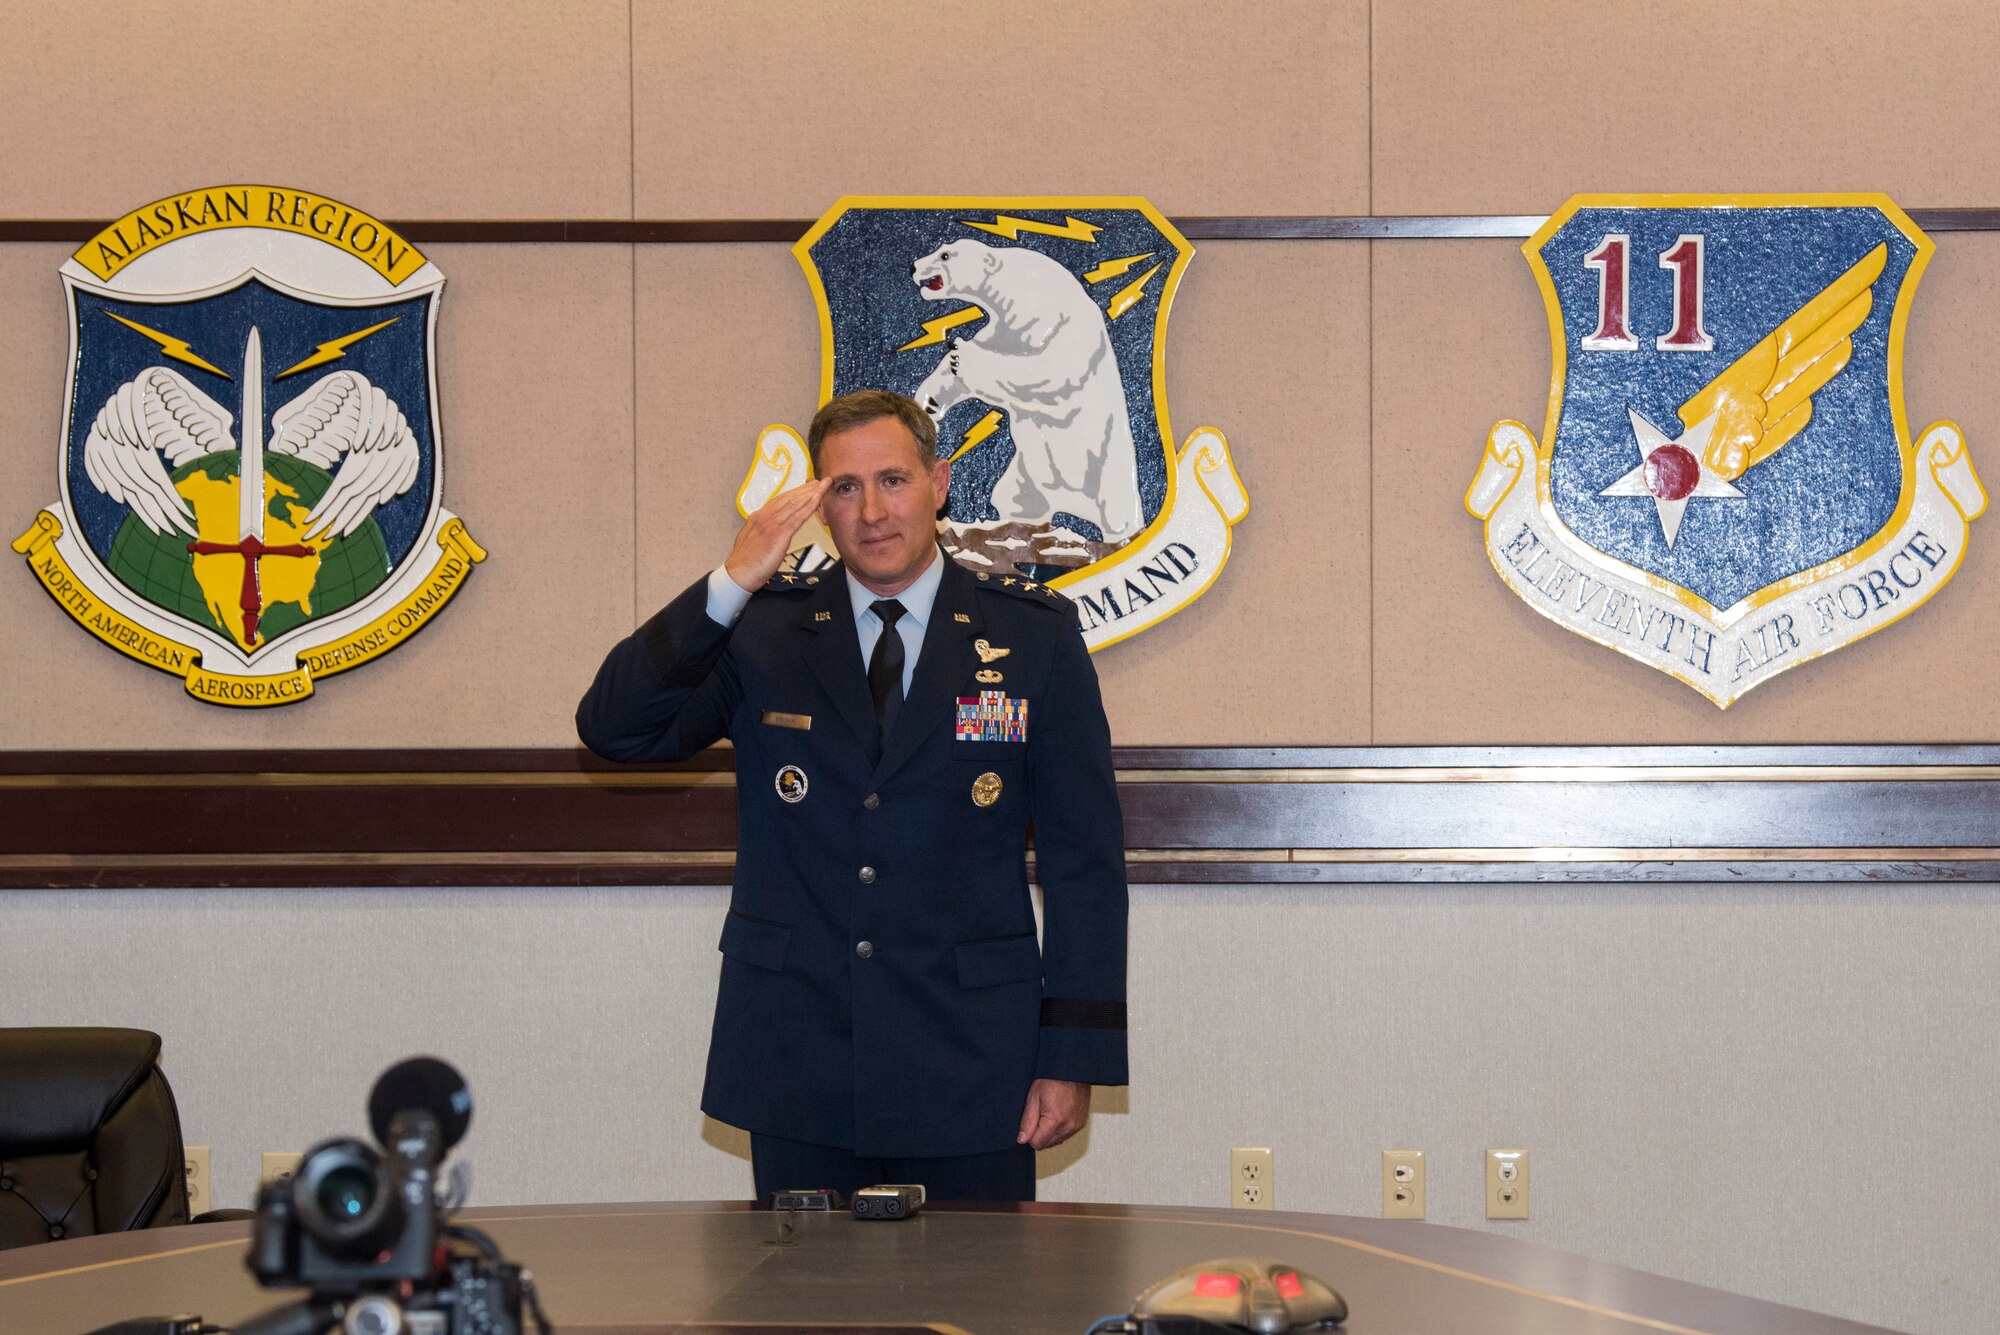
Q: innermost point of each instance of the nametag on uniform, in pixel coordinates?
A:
(992, 716)
(803, 722)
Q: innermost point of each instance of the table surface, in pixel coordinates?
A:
(964, 1269)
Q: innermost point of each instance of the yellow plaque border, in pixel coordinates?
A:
(1559, 369)
(275, 208)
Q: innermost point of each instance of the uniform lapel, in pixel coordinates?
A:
(833, 653)
(947, 659)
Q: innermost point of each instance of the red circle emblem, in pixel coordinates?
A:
(1671, 472)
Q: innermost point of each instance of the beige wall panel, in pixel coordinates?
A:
(535, 381)
(431, 109)
(728, 344)
(1513, 108)
(775, 109)
(1275, 652)
(42, 652)
(1460, 343)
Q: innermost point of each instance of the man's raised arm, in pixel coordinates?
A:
(666, 690)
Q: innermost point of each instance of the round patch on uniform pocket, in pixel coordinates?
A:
(791, 783)
(986, 789)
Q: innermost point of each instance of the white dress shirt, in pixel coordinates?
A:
(727, 599)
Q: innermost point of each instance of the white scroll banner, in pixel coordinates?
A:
(781, 464)
(1173, 563)
(1725, 653)
(1176, 560)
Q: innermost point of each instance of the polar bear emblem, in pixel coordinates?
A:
(1044, 357)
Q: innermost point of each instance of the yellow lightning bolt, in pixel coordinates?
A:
(1072, 229)
(176, 348)
(981, 429)
(334, 349)
(1112, 268)
(1129, 296)
(934, 329)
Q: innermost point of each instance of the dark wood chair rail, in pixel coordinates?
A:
(1219, 815)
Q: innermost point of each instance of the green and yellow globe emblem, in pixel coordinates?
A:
(207, 589)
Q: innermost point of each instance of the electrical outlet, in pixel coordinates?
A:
(194, 1163)
(279, 1163)
(1250, 1184)
(1402, 1184)
(1506, 1184)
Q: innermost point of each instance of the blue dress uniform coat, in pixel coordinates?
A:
(882, 988)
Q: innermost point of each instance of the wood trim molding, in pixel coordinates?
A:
(682, 231)
(1193, 816)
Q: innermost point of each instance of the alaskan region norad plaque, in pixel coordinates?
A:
(1034, 331)
(262, 333)
(1726, 485)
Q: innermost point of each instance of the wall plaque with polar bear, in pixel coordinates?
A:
(1034, 331)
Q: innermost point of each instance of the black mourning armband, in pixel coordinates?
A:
(1082, 1013)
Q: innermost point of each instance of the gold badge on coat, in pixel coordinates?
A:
(986, 789)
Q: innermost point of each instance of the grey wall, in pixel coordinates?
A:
(1784, 1092)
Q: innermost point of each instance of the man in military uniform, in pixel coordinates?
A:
(885, 1013)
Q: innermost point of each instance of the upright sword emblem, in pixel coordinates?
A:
(250, 500)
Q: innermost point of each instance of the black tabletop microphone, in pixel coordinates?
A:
(422, 1084)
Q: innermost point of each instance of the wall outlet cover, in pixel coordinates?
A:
(194, 1162)
(1250, 1178)
(1402, 1184)
(1506, 1184)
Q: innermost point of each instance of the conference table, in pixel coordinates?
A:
(726, 1266)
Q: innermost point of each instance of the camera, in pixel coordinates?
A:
(350, 1217)
(365, 1230)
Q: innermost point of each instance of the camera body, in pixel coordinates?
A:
(350, 1218)
(474, 1298)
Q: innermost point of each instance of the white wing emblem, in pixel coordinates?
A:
(342, 420)
(157, 411)
(346, 420)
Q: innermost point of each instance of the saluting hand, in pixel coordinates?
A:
(1057, 1110)
(766, 535)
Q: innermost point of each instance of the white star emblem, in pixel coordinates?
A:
(1674, 478)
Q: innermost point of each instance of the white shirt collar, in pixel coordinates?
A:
(917, 600)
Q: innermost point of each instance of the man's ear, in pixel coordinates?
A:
(941, 480)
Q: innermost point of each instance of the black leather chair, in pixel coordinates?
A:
(90, 1139)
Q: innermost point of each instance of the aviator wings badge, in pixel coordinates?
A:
(1725, 486)
(1034, 331)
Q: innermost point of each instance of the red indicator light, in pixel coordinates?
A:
(1217, 1286)
(1288, 1285)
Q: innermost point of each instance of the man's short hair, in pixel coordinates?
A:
(867, 405)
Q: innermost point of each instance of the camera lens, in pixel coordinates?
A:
(345, 1192)
(345, 1199)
